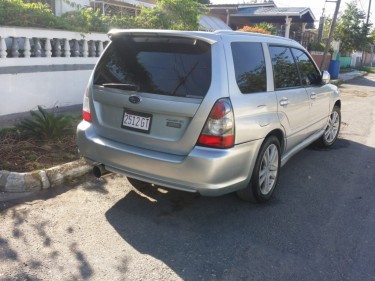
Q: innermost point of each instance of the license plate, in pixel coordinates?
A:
(136, 121)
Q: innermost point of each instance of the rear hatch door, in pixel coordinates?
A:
(148, 90)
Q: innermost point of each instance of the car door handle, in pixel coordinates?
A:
(313, 96)
(284, 102)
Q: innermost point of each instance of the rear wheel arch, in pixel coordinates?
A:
(265, 173)
(279, 134)
(332, 129)
(337, 104)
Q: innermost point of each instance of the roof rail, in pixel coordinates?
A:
(231, 32)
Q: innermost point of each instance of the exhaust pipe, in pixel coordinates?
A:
(99, 171)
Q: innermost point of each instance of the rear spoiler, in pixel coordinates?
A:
(150, 33)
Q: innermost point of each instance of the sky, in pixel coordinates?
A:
(315, 5)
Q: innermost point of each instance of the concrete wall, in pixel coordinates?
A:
(23, 88)
(54, 76)
(345, 62)
(318, 57)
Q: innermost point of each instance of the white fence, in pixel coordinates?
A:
(45, 67)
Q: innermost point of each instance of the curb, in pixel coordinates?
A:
(348, 76)
(42, 179)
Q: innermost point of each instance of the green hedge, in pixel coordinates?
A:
(168, 14)
(18, 13)
(319, 47)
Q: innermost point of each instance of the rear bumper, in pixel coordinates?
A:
(210, 172)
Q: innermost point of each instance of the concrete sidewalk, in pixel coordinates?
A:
(343, 77)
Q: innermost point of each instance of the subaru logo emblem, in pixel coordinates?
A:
(134, 99)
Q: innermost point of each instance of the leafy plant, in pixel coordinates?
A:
(171, 14)
(8, 132)
(167, 14)
(267, 26)
(319, 47)
(18, 13)
(45, 125)
(88, 19)
(351, 29)
(255, 29)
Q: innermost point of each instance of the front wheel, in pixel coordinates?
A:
(332, 130)
(265, 173)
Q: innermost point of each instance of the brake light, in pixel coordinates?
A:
(218, 130)
(86, 114)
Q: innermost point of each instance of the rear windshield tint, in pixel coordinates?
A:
(162, 65)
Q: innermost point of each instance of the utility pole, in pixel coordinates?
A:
(367, 20)
(328, 42)
(368, 12)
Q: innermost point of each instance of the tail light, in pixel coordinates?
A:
(86, 114)
(218, 131)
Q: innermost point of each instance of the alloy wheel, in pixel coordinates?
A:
(268, 169)
(332, 129)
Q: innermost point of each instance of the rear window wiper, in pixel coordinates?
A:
(121, 86)
(184, 79)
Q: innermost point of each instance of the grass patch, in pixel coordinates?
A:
(367, 68)
(346, 70)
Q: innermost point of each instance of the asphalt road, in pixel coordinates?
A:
(320, 224)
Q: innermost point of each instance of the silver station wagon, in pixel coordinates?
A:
(204, 112)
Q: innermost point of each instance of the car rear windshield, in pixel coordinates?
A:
(172, 66)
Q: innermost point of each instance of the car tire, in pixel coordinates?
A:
(265, 173)
(332, 130)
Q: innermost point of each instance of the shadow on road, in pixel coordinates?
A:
(318, 226)
(362, 81)
(308, 231)
(37, 234)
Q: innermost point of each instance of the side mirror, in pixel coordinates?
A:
(325, 77)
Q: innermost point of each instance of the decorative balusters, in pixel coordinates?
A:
(37, 48)
(44, 47)
(75, 49)
(15, 53)
(57, 48)
(85, 49)
(48, 48)
(26, 47)
(92, 49)
(100, 48)
(3, 48)
(66, 48)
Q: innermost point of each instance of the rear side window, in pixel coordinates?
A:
(249, 67)
(284, 68)
(160, 65)
(309, 74)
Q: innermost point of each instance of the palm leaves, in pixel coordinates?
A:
(44, 125)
